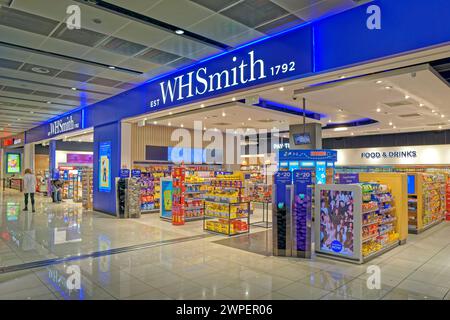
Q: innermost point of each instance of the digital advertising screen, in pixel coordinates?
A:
(104, 158)
(337, 222)
(300, 139)
(13, 164)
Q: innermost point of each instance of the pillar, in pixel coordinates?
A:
(28, 156)
(125, 147)
(314, 130)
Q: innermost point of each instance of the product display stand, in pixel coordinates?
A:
(261, 193)
(128, 203)
(178, 196)
(355, 222)
(427, 202)
(87, 193)
(227, 218)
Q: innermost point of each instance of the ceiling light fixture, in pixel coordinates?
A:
(49, 102)
(329, 121)
(169, 124)
(249, 119)
(440, 127)
(155, 122)
(388, 87)
(179, 31)
(379, 81)
(378, 110)
(390, 123)
(233, 99)
(74, 89)
(224, 114)
(394, 127)
(281, 89)
(342, 77)
(170, 113)
(433, 111)
(340, 109)
(182, 125)
(202, 105)
(407, 97)
(341, 129)
(421, 105)
(442, 116)
(352, 133)
(112, 67)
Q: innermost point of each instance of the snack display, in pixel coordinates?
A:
(151, 187)
(378, 220)
(87, 189)
(259, 192)
(227, 218)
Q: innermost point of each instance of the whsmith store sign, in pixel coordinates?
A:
(410, 155)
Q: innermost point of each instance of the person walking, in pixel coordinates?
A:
(29, 188)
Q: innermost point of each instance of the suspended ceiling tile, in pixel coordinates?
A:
(254, 12)
(17, 90)
(41, 7)
(204, 53)
(215, 5)
(25, 21)
(219, 28)
(46, 94)
(325, 8)
(9, 64)
(116, 75)
(142, 33)
(137, 64)
(13, 54)
(64, 48)
(81, 36)
(281, 24)
(48, 61)
(126, 85)
(75, 76)
(104, 82)
(180, 46)
(121, 46)
(84, 68)
(244, 38)
(105, 57)
(158, 72)
(180, 63)
(156, 56)
(20, 37)
(180, 13)
(39, 69)
(295, 5)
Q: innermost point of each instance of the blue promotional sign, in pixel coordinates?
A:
(66, 175)
(283, 177)
(104, 159)
(124, 173)
(321, 172)
(336, 246)
(68, 123)
(308, 155)
(135, 173)
(166, 198)
(302, 179)
(348, 178)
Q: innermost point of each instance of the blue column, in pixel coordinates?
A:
(52, 165)
(106, 166)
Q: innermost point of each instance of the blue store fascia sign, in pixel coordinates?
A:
(376, 30)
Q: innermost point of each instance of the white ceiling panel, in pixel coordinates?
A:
(64, 48)
(180, 46)
(244, 38)
(142, 33)
(219, 28)
(204, 53)
(103, 56)
(325, 8)
(14, 54)
(138, 64)
(48, 61)
(41, 7)
(22, 38)
(180, 13)
(296, 5)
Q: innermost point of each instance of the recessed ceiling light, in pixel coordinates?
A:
(179, 31)
(31, 112)
(215, 129)
(169, 124)
(202, 105)
(182, 125)
(170, 113)
(407, 97)
(340, 109)
(352, 133)
(421, 105)
(18, 119)
(378, 110)
(440, 127)
(342, 77)
(74, 89)
(329, 121)
(112, 67)
(204, 128)
(249, 119)
(390, 123)
(49, 102)
(281, 88)
(379, 81)
(40, 70)
(433, 111)
(79, 140)
(233, 99)
(394, 127)
(223, 114)
(388, 87)
(341, 129)
(155, 122)
(442, 116)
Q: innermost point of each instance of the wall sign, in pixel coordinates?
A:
(124, 173)
(13, 163)
(410, 155)
(105, 166)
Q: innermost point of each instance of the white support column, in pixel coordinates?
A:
(125, 146)
(28, 156)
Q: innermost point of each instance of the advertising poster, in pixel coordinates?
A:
(166, 198)
(337, 222)
(12, 211)
(13, 164)
(105, 166)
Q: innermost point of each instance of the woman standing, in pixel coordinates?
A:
(29, 188)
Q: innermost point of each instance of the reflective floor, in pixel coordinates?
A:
(195, 268)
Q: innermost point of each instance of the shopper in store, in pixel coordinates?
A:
(29, 188)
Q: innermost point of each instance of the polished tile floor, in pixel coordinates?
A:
(195, 268)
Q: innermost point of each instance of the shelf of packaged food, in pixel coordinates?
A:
(225, 216)
(370, 237)
(383, 249)
(194, 218)
(227, 234)
(386, 231)
(387, 210)
(371, 210)
(150, 211)
(392, 220)
(371, 223)
(193, 208)
(222, 202)
(194, 192)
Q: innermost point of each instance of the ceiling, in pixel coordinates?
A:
(47, 69)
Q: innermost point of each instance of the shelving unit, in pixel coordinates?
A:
(88, 187)
(427, 205)
(227, 218)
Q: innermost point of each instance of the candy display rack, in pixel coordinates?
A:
(355, 222)
(227, 218)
